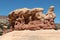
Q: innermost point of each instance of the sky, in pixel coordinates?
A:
(6, 6)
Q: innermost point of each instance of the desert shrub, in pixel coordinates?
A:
(56, 28)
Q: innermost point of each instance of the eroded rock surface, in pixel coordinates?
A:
(32, 19)
(32, 35)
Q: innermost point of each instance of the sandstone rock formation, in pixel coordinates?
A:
(50, 14)
(5, 29)
(32, 35)
(32, 19)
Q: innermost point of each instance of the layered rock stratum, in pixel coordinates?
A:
(32, 19)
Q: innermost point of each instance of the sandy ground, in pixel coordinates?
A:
(0, 36)
(32, 35)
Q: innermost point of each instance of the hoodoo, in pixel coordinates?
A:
(32, 19)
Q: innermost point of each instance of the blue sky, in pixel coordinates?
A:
(7, 6)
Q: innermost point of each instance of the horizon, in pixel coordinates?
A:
(9, 5)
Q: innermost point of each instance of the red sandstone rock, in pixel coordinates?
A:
(25, 19)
